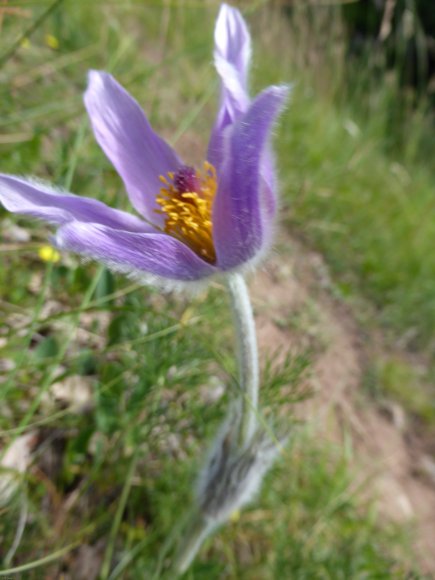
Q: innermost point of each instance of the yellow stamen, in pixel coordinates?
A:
(188, 214)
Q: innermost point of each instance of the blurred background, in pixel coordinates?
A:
(109, 391)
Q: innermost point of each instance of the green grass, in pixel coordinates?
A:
(356, 153)
(370, 212)
(118, 476)
(356, 159)
(396, 379)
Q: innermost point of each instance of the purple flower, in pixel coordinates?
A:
(193, 223)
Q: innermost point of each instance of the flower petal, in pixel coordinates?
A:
(125, 135)
(39, 200)
(232, 41)
(232, 56)
(137, 254)
(268, 177)
(241, 223)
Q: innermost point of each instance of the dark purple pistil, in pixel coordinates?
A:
(186, 180)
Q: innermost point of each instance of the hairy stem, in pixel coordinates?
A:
(194, 536)
(247, 354)
(200, 526)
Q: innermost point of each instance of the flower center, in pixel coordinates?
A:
(186, 200)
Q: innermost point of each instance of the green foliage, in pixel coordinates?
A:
(396, 379)
(356, 153)
(368, 212)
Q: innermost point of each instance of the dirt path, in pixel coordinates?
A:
(294, 306)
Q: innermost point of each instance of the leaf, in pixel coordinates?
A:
(106, 285)
(47, 348)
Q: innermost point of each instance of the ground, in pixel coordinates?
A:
(391, 460)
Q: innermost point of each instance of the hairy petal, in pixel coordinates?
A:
(134, 253)
(232, 56)
(268, 177)
(232, 40)
(241, 225)
(125, 135)
(269, 185)
(41, 201)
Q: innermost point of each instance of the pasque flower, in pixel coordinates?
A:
(192, 223)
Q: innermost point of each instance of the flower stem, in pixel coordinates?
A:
(247, 354)
(194, 536)
(201, 526)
